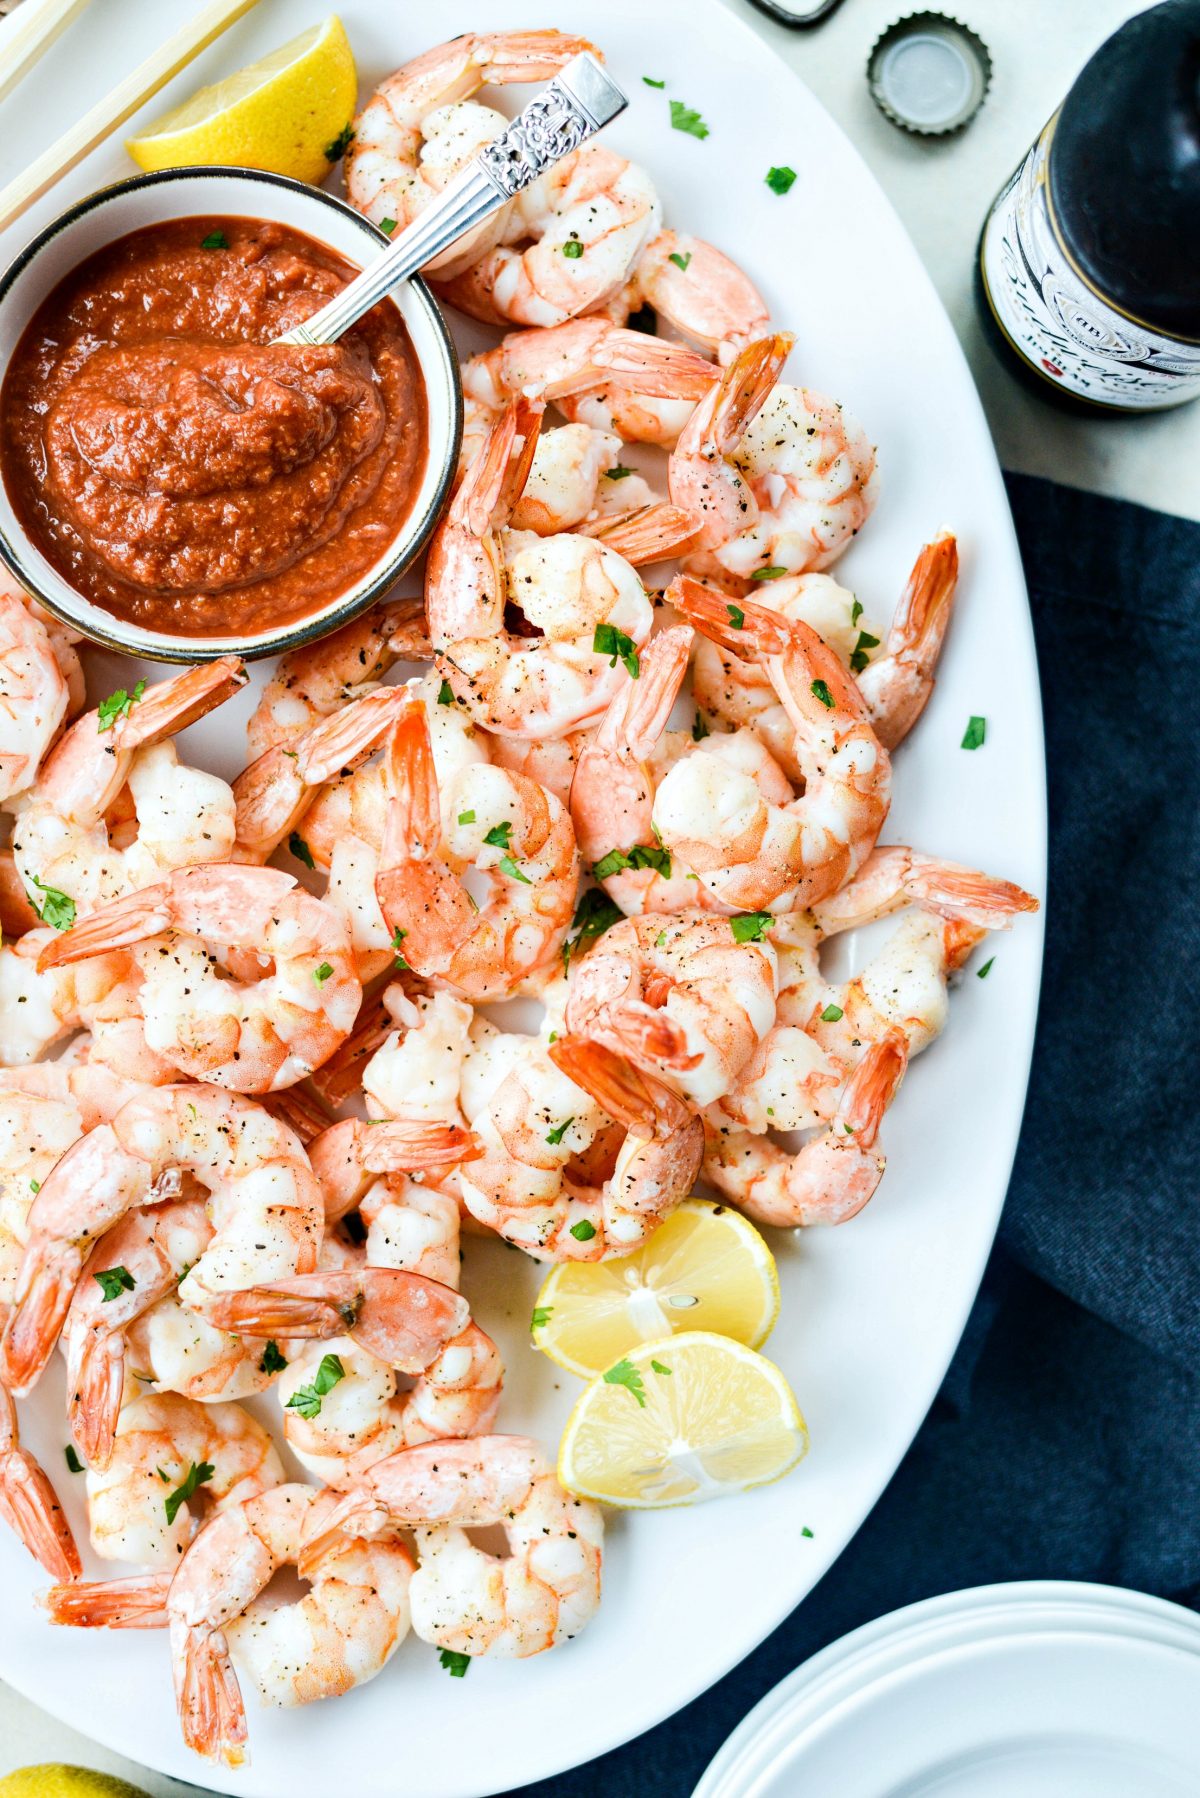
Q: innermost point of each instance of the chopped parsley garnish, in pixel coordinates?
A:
(806, 1532)
(640, 856)
(321, 974)
(660, 941)
(659, 1367)
(624, 1373)
(858, 655)
(856, 611)
(35, 1186)
(216, 240)
(508, 866)
(609, 641)
(198, 1474)
(56, 909)
(499, 834)
(541, 1316)
(751, 926)
(398, 937)
(618, 473)
(780, 180)
(583, 1231)
(737, 617)
(767, 574)
(680, 262)
(651, 82)
(559, 1131)
(455, 1664)
(572, 249)
(300, 849)
(820, 690)
(341, 143)
(686, 118)
(975, 733)
(74, 1464)
(594, 914)
(466, 817)
(307, 1399)
(388, 225)
(117, 705)
(983, 972)
(831, 1014)
(445, 694)
(699, 729)
(272, 1361)
(113, 1281)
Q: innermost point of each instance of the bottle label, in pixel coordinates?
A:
(1057, 323)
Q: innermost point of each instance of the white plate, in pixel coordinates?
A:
(871, 1312)
(1039, 1689)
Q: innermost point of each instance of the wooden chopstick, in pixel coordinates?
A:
(30, 36)
(121, 104)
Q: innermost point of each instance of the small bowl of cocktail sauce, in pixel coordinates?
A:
(179, 485)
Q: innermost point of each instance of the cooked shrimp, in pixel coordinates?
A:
(33, 693)
(621, 383)
(161, 1439)
(264, 1205)
(600, 203)
(831, 1178)
(679, 996)
(781, 477)
(415, 1071)
(463, 1599)
(895, 681)
(276, 791)
(565, 587)
(749, 852)
(701, 292)
(254, 1036)
(29, 1504)
(313, 683)
(506, 828)
(61, 840)
(38, 1007)
(423, 124)
(36, 1127)
(583, 1155)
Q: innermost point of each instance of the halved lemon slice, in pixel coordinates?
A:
(289, 113)
(705, 1268)
(680, 1420)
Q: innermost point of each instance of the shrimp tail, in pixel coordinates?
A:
(646, 533)
(654, 366)
(965, 896)
(417, 894)
(173, 704)
(745, 389)
(139, 1602)
(744, 628)
(403, 1318)
(348, 736)
(647, 1035)
(644, 1105)
(30, 1507)
(837, 1173)
(94, 1403)
(118, 925)
(49, 1274)
(401, 1148)
(211, 1711)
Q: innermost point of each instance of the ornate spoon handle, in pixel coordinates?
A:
(564, 115)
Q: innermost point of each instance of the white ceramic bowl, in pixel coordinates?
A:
(144, 200)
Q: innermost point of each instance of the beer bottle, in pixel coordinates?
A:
(1089, 260)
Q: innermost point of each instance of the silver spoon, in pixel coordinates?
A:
(564, 115)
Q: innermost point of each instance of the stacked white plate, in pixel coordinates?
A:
(1044, 1689)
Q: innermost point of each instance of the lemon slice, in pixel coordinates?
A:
(705, 1268)
(680, 1420)
(54, 1780)
(288, 113)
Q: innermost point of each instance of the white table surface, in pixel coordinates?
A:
(941, 190)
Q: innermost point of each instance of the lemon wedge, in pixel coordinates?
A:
(680, 1420)
(705, 1268)
(289, 113)
(52, 1779)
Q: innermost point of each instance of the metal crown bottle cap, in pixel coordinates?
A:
(929, 74)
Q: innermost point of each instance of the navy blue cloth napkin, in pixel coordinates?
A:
(1065, 1442)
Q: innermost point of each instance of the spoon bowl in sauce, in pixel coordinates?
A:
(177, 483)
